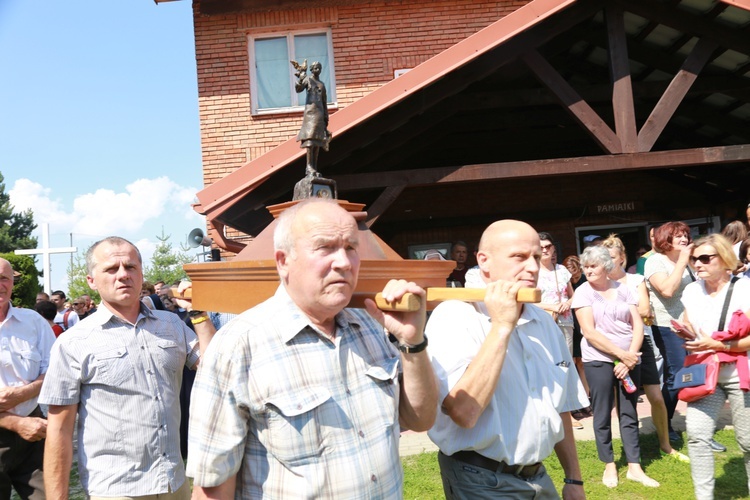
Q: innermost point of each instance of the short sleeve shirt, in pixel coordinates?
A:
(704, 311)
(612, 318)
(126, 379)
(522, 423)
(554, 287)
(665, 309)
(294, 413)
(25, 343)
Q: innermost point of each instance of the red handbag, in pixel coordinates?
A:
(711, 360)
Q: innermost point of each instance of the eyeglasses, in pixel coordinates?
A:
(704, 259)
(546, 247)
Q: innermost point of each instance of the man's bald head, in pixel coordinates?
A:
(509, 250)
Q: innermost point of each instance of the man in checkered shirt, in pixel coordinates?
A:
(301, 398)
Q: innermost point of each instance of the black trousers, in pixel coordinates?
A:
(606, 391)
(21, 465)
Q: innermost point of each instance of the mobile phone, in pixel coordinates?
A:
(681, 331)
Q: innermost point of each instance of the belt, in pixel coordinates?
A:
(474, 458)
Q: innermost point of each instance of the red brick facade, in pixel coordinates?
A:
(370, 41)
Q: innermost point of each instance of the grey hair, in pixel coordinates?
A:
(283, 239)
(112, 240)
(596, 255)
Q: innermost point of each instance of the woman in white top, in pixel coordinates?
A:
(667, 274)
(649, 371)
(557, 292)
(714, 260)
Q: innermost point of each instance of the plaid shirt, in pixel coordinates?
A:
(298, 415)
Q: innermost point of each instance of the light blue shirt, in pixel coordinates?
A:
(25, 343)
(126, 379)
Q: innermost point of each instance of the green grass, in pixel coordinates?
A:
(422, 474)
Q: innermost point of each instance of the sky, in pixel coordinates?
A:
(99, 127)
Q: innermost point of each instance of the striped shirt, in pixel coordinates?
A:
(297, 414)
(127, 380)
(522, 423)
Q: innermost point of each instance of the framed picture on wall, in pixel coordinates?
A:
(418, 252)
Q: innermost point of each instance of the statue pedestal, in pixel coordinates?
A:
(250, 278)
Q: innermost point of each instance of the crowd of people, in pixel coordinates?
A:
(302, 397)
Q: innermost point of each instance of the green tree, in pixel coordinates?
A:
(77, 283)
(27, 286)
(166, 263)
(15, 228)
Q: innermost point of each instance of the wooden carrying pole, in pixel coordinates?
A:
(410, 302)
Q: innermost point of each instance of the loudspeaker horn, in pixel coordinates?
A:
(196, 239)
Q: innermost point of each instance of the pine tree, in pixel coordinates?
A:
(15, 228)
(77, 283)
(166, 263)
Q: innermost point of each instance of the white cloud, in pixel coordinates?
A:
(106, 212)
(147, 249)
(26, 194)
(137, 213)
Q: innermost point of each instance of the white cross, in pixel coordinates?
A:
(46, 251)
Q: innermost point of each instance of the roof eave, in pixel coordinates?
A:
(219, 196)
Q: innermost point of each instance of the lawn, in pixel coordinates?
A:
(422, 475)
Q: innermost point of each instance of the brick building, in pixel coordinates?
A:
(579, 117)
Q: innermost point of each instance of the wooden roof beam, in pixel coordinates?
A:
(675, 93)
(681, 20)
(381, 204)
(578, 108)
(622, 87)
(536, 168)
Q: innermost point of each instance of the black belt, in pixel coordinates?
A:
(474, 458)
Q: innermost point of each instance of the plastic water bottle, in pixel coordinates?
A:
(627, 382)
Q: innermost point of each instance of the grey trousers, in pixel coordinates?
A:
(462, 481)
(701, 419)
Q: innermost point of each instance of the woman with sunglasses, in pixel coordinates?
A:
(612, 336)
(554, 282)
(667, 274)
(714, 259)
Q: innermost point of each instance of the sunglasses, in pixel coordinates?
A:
(546, 247)
(704, 259)
(77, 304)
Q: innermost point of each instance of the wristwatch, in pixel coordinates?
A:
(409, 349)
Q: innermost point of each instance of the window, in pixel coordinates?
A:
(273, 77)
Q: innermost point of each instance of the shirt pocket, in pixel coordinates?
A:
(558, 384)
(115, 365)
(383, 400)
(24, 363)
(167, 355)
(296, 422)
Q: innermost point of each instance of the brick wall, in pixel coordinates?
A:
(370, 41)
